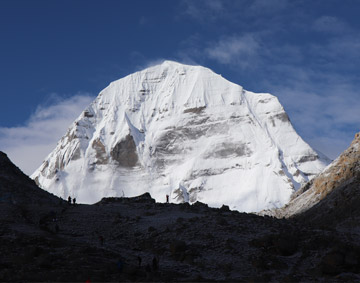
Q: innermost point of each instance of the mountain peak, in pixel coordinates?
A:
(186, 132)
(176, 64)
(177, 67)
(173, 63)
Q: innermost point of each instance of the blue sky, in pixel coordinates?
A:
(56, 56)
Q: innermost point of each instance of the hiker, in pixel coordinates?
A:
(69, 199)
(167, 198)
(155, 264)
(52, 215)
(148, 272)
(101, 238)
(74, 201)
(120, 265)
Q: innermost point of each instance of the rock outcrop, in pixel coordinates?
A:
(336, 189)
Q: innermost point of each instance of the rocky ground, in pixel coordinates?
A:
(43, 238)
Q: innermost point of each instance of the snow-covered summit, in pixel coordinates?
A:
(183, 131)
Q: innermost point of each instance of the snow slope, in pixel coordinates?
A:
(183, 131)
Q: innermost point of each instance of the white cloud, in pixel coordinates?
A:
(242, 50)
(141, 62)
(28, 145)
(150, 63)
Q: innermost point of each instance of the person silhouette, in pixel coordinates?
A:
(155, 264)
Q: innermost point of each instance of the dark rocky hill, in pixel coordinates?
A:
(43, 238)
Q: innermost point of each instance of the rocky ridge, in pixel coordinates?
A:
(43, 238)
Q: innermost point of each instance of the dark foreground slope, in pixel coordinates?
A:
(43, 238)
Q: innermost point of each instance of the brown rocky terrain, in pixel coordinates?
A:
(334, 191)
(44, 238)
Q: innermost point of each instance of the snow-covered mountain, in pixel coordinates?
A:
(182, 131)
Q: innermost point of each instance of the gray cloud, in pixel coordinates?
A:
(28, 145)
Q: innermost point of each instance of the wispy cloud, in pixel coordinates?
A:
(240, 50)
(190, 50)
(330, 24)
(28, 145)
(204, 10)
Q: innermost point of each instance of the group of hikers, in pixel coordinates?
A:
(73, 200)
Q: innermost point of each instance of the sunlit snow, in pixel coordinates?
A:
(182, 131)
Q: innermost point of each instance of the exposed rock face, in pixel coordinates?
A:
(336, 186)
(100, 150)
(176, 126)
(226, 150)
(124, 152)
(196, 110)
